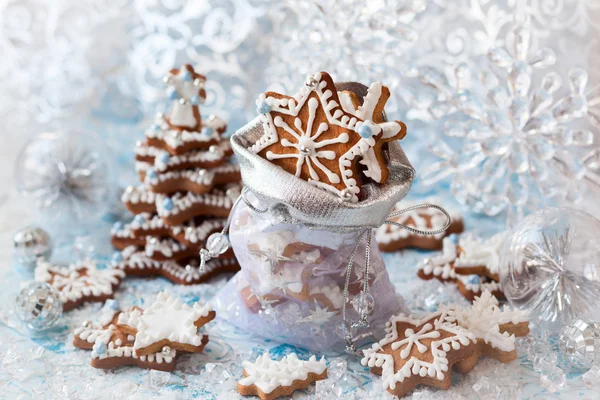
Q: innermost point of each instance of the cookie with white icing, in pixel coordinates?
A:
(167, 322)
(419, 352)
(311, 136)
(270, 379)
(442, 267)
(479, 256)
(196, 180)
(393, 238)
(134, 262)
(151, 157)
(112, 346)
(372, 108)
(79, 282)
(494, 328)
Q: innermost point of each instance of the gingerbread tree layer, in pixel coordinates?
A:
(188, 186)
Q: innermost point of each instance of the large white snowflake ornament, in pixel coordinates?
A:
(510, 144)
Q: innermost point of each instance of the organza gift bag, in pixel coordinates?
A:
(311, 273)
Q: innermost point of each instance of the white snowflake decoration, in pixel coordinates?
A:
(510, 145)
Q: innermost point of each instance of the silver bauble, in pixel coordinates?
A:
(39, 306)
(30, 243)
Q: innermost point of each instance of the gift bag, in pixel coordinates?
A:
(311, 273)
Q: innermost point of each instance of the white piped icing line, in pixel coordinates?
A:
(192, 232)
(183, 202)
(388, 233)
(199, 176)
(267, 374)
(485, 318)
(428, 328)
(477, 252)
(306, 136)
(167, 319)
(78, 281)
(138, 194)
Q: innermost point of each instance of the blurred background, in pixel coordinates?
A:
(500, 97)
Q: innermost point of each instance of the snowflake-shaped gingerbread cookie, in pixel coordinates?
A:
(80, 282)
(269, 379)
(167, 323)
(419, 351)
(312, 137)
(494, 328)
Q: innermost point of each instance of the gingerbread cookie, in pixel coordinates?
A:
(494, 328)
(178, 208)
(134, 262)
(442, 268)
(270, 379)
(112, 346)
(167, 322)
(480, 257)
(196, 180)
(419, 352)
(393, 238)
(148, 157)
(185, 88)
(79, 283)
(311, 136)
(163, 136)
(139, 199)
(372, 108)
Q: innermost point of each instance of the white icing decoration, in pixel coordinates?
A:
(199, 176)
(441, 266)
(183, 114)
(485, 318)
(174, 138)
(184, 202)
(414, 366)
(78, 280)
(480, 253)
(267, 374)
(167, 319)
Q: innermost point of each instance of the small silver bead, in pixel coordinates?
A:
(166, 350)
(87, 324)
(182, 101)
(198, 82)
(311, 82)
(212, 149)
(166, 79)
(346, 195)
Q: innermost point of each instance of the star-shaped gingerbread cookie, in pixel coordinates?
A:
(372, 108)
(167, 322)
(80, 282)
(419, 351)
(112, 346)
(311, 136)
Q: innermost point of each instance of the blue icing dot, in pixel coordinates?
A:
(207, 131)
(168, 204)
(474, 280)
(365, 131)
(155, 127)
(139, 219)
(186, 75)
(453, 237)
(113, 304)
(195, 100)
(151, 174)
(99, 348)
(263, 108)
(173, 95)
(116, 257)
(117, 226)
(164, 158)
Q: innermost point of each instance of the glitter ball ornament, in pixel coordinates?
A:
(38, 305)
(30, 243)
(513, 139)
(580, 344)
(550, 266)
(67, 175)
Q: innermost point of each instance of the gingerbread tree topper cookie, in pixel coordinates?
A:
(419, 351)
(185, 88)
(312, 137)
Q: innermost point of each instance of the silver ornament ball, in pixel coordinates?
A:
(39, 306)
(30, 243)
(580, 344)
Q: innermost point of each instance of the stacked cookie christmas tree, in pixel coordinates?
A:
(188, 188)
